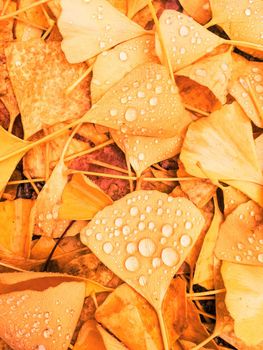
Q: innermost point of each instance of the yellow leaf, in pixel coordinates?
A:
(213, 72)
(14, 226)
(143, 151)
(145, 102)
(97, 23)
(186, 40)
(259, 149)
(240, 236)
(110, 342)
(222, 147)
(111, 66)
(89, 337)
(120, 5)
(244, 300)
(43, 247)
(9, 143)
(44, 215)
(40, 74)
(199, 9)
(246, 87)
(82, 199)
(61, 298)
(241, 20)
(204, 270)
(232, 199)
(135, 6)
(127, 242)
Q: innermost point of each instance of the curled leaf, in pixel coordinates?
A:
(111, 66)
(145, 102)
(186, 40)
(95, 22)
(240, 236)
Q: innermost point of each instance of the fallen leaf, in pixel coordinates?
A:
(204, 270)
(14, 225)
(244, 300)
(120, 5)
(137, 149)
(43, 247)
(131, 258)
(213, 148)
(240, 20)
(185, 40)
(40, 75)
(135, 6)
(8, 144)
(6, 28)
(111, 66)
(200, 10)
(96, 22)
(213, 72)
(89, 337)
(259, 150)
(232, 199)
(45, 213)
(110, 342)
(240, 236)
(82, 199)
(145, 102)
(62, 298)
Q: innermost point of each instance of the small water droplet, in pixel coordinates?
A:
(184, 31)
(170, 257)
(248, 12)
(142, 280)
(260, 258)
(238, 258)
(131, 114)
(147, 247)
(188, 225)
(178, 212)
(113, 112)
(132, 263)
(131, 248)
(141, 156)
(259, 89)
(134, 211)
(156, 262)
(126, 230)
(200, 72)
(153, 101)
(48, 332)
(185, 240)
(123, 56)
(118, 222)
(141, 94)
(107, 248)
(98, 236)
(167, 230)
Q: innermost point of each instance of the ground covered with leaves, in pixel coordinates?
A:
(131, 184)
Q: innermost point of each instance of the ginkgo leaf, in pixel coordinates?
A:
(130, 245)
(89, 337)
(120, 5)
(246, 86)
(49, 323)
(259, 150)
(14, 226)
(43, 247)
(135, 6)
(240, 236)
(143, 151)
(44, 215)
(213, 72)
(145, 102)
(241, 20)
(109, 341)
(204, 270)
(111, 66)
(244, 300)
(95, 22)
(199, 9)
(222, 147)
(185, 40)
(82, 199)
(40, 74)
(232, 199)
(9, 143)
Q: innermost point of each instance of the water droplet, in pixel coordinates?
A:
(98, 236)
(258, 78)
(240, 246)
(123, 56)
(48, 332)
(118, 222)
(251, 240)
(141, 94)
(131, 248)
(247, 12)
(42, 347)
(134, 211)
(141, 156)
(131, 114)
(200, 72)
(18, 63)
(185, 240)
(238, 258)
(170, 257)
(224, 67)
(148, 209)
(188, 225)
(260, 258)
(158, 90)
(126, 230)
(184, 31)
(141, 226)
(107, 248)
(259, 89)
(151, 226)
(113, 112)
(156, 262)
(167, 230)
(132, 263)
(102, 44)
(46, 314)
(178, 212)
(153, 101)
(142, 280)
(146, 247)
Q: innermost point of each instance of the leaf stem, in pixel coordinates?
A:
(163, 330)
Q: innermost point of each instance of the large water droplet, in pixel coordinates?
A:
(132, 263)
(167, 230)
(185, 240)
(147, 247)
(170, 257)
(107, 248)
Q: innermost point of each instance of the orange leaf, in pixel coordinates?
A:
(82, 199)
(199, 9)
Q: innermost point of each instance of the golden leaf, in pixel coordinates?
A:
(43, 247)
(135, 6)
(259, 149)
(241, 20)
(247, 89)
(62, 299)
(44, 215)
(97, 23)
(222, 147)
(244, 300)
(82, 199)
(89, 337)
(120, 5)
(9, 143)
(143, 151)
(213, 72)
(14, 226)
(186, 40)
(199, 9)
(232, 199)
(110, 342)
(111, 66)
(40, 75)
(240, 236)
(132, 265)
(145, 102)
(204, 270)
